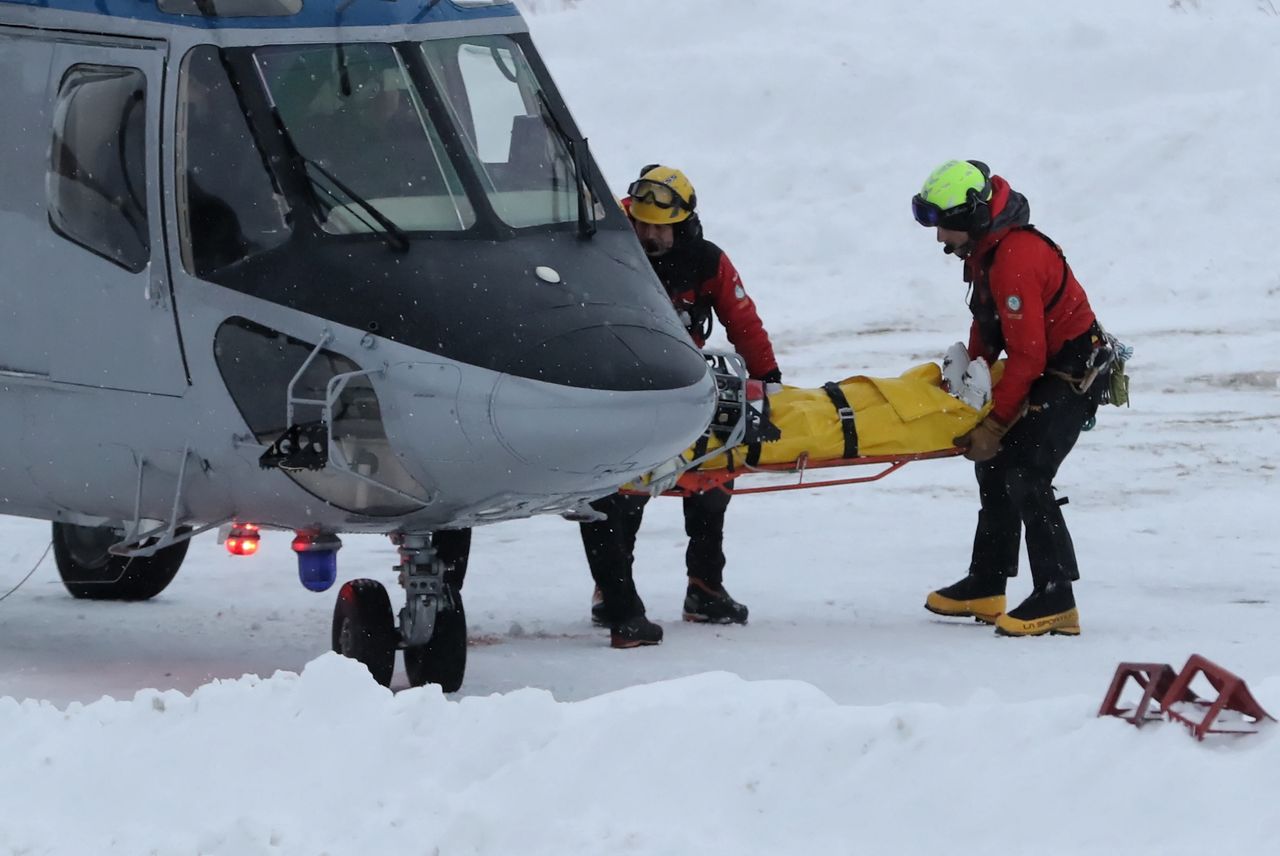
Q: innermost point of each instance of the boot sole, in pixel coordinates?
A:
(694, 618)
(979, 617)
(1064, 624)
(623, 645)
(1056, 631)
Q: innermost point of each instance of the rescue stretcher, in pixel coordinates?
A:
(859, 421)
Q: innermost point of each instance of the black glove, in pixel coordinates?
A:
(774, 376)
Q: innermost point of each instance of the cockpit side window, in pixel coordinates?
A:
(495, 100)
(97, 180)
(259, 365)
(365, 137)
(229, 207)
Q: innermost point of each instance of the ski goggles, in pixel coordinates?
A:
(957, 218)
(657, 194)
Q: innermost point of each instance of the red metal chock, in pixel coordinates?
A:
(1155, 680)
(1233, 694)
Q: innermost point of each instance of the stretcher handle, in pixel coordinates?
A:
(703, 481)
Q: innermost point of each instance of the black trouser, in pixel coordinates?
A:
(704, 524)
(453, 547)
(610, 546)
(1015, 487)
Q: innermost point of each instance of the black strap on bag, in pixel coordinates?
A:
(700, 446)
(845, 412)
(760, 429)
(700, 449)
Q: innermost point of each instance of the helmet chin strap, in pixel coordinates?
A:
(961, 251)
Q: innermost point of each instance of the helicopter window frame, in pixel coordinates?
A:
(531, 139)
(221, 222)
(94, 202)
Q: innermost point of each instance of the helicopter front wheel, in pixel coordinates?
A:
(364, 627)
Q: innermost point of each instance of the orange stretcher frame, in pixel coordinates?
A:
(701, 481)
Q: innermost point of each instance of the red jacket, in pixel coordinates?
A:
(724, 294)
(1023, 279)
(700, 280)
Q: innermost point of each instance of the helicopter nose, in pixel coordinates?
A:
(634, 414)
(615, 357)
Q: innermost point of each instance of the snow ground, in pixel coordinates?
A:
(843, 718)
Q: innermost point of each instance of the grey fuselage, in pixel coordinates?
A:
(515, 357)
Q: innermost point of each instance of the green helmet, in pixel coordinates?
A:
(956, 195)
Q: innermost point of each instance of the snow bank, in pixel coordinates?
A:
(328, 762)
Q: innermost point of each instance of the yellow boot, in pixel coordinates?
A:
(980, 597)
(1051, 609)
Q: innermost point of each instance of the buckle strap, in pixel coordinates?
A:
(845, 412)
(700, 445)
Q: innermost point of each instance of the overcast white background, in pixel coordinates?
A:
(843, 718)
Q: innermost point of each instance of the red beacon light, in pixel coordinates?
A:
(243, 539)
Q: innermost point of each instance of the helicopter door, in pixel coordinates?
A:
(106, 279)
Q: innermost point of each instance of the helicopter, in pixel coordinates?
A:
(321, 266)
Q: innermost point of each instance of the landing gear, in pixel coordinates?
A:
(433, 624)
(443, 660)
(364, 628)
(90, 572)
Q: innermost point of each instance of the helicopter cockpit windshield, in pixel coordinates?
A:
(353, 114)
(392, 139)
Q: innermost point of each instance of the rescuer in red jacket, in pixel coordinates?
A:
(703, 285)
(1025, 303)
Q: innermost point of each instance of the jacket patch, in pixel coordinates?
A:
(1014, 302)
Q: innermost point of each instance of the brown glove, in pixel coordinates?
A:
(983, 441)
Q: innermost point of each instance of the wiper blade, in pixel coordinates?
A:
(396, 237)
(586, 227)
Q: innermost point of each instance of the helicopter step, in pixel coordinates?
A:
(433, 624)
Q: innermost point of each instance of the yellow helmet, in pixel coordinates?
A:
(662, 196)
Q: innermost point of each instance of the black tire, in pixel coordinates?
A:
(443, 660)
(91, 573)
(364, 627)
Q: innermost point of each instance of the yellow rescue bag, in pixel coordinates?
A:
(904, 415)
